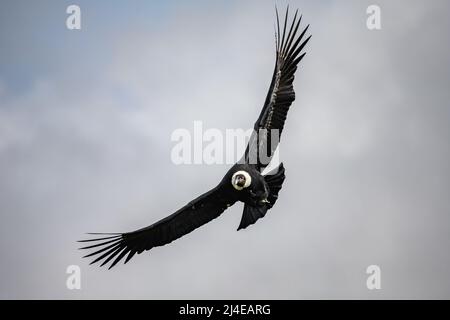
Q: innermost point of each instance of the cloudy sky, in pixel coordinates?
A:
(86, 118)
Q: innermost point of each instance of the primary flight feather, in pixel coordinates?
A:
(243, 182)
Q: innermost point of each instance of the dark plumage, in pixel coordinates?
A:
(243, 182)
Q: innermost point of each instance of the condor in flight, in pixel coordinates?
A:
(243, 182)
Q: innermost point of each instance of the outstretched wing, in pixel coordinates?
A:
(281, 94)
(195, 214)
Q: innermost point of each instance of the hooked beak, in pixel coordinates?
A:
(263, 201)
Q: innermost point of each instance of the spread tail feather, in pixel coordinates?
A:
(251, 214)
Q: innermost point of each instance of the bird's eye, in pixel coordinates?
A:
(241, 180)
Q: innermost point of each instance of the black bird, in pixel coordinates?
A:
(243, 182)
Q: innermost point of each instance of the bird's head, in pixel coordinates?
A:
(241, 179)
(250, 186)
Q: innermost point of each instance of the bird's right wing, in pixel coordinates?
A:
(195, 214)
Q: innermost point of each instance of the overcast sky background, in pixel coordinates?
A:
(85, 124)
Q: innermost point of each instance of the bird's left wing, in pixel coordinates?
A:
(270, 123)
(195, 214)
